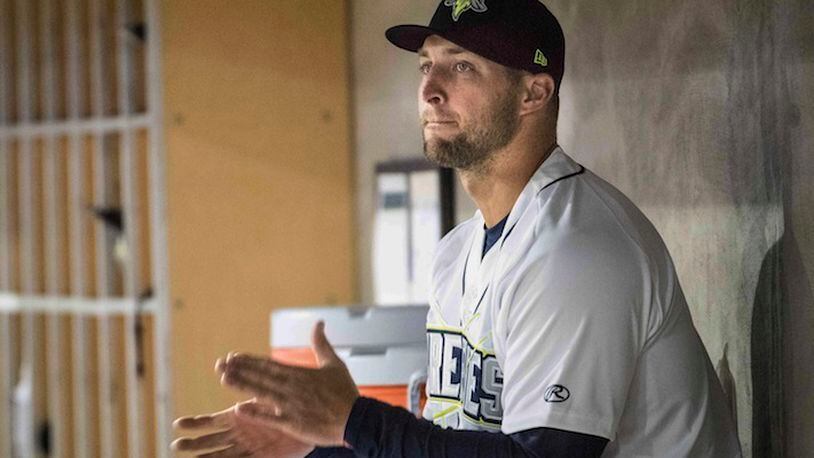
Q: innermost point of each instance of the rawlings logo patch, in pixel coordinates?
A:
(459, 7)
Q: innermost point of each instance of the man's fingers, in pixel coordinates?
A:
(256, 363)
(264, 372)
(254, 384)
(208, 441)
(267, 370)
(257, 411)
(220, 419)
(322, 348)
(204, 421)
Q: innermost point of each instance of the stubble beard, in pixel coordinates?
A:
(473, 150)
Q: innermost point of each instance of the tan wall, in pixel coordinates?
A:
(259, 175)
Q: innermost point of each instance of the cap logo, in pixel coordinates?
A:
(540, 59)
(459, 7)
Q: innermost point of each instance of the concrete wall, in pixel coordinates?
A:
(384, 84)
(697, 110)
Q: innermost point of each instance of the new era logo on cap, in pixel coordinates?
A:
(540, 58)
(461, 6)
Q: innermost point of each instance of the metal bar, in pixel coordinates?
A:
(6, 337)
(27, 399)
(53, 242)
(75, 126)
(129, 179)
(7, 332)
(81, 377)
(4, 63)
(25, 411)
(6, 224)
(103, 184)
(158, 221)
(72, 305)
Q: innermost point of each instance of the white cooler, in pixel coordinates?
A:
(385, 348)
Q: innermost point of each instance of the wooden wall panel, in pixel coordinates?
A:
(259, 175)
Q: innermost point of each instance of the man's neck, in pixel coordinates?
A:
(496, 188)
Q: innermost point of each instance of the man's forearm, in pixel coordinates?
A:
(376, 429)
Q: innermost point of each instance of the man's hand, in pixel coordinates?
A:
(236, 436)
(312, 405)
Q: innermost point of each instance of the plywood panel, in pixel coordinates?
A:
(259, 175)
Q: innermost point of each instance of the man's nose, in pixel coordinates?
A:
(433, 90)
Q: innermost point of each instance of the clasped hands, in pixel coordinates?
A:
(293, 409)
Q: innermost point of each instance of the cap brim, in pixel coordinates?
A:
(410, 37)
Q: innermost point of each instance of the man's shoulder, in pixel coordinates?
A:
(588, 211)
(582, 229)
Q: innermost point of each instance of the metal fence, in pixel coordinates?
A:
(84, 317)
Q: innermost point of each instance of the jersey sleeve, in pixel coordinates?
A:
(568, 333)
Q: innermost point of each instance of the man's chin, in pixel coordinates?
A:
(433, 157)
(448, 157)
(438, 152)
(445, 159)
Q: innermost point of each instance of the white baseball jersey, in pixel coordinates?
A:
(574, 320)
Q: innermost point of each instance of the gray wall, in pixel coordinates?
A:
(385, 87)
(698, 110)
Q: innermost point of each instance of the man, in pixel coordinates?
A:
(557, 325)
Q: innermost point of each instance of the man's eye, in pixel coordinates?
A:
(424, 68)
(462, 67)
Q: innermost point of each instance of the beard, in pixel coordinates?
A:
(474, 148)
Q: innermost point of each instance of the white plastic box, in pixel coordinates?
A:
(385, 348)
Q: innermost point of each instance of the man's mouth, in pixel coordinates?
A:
(430, 119)
(438, 122)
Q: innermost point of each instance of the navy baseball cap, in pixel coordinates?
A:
(521, 34)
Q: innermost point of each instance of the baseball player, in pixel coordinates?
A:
(557, 325)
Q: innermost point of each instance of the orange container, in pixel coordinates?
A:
(392, 394)
(384, 348)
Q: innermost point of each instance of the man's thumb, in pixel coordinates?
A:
(323, 349)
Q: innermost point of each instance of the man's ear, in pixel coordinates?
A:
(538, 91)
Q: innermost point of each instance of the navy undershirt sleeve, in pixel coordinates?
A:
(376, 429)
(332, 452)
